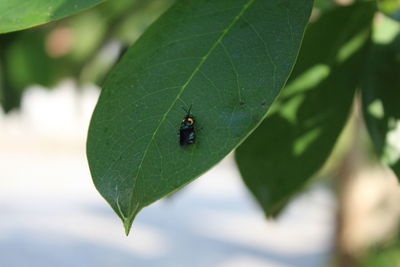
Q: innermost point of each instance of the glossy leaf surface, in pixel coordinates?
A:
(227, 59)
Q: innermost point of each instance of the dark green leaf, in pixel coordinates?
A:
(20, 14)
(228, 59)
(305, 122)
(381, 95)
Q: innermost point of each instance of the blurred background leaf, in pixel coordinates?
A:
(301, 130)
(390, 8)
(83, 47)
(381, 92)
(20, 14)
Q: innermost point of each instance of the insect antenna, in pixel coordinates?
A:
(188, 110)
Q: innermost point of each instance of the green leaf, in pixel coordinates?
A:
(381, 94)
(227, 59)
(301, 130)
(21, 14)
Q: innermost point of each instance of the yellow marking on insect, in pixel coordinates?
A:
(190, 120)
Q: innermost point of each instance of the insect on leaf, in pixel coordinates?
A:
(227, 59)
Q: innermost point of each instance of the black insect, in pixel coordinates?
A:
(187, 133)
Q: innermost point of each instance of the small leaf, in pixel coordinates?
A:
(380, 95)
(21, 14)
(227, 59)
(297, 137)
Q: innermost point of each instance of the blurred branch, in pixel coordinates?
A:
(347, 170)
(368, 197)
(9, 96)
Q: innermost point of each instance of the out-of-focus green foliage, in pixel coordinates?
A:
(390, 7)
(302, 128)
(381, 92)
(126, 22)
(83, 47)
(386, 254)
(324, 4)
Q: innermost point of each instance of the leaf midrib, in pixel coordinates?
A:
(195, 71)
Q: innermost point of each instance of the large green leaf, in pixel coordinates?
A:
(299, 133)
(227, 59)
(381, 96)
(20, 14)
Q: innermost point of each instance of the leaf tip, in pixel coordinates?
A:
(127, 221)
(127, 226)
(273, 210)
(271, 215)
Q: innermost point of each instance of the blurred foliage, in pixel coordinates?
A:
(83, 47)
(381, 92)
(390, 7)
(297, 137)
(324, 5)
(385, 254)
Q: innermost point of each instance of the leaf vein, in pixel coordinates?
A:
(184, 86)
(266, 50)
(233, 69)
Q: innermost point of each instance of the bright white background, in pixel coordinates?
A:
(51, 214)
